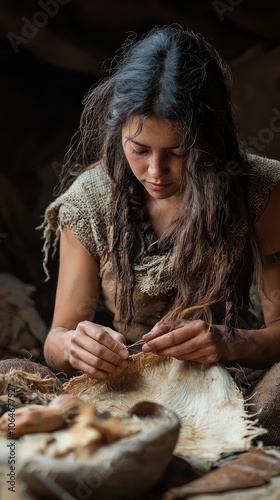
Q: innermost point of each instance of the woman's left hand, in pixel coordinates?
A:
(191, 340)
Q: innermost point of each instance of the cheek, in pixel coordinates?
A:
(137, 165)
(180, 172)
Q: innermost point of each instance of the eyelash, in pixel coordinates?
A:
(142, 153)
(138, 153)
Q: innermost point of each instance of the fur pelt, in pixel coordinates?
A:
(205, 397)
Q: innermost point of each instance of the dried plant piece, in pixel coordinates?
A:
(32, 419)
(6, 400)
(25, 385)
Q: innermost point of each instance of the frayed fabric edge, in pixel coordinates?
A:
(48, 244)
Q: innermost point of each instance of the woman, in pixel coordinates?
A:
(168, 222)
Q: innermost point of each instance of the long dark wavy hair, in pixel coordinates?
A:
(175, 75)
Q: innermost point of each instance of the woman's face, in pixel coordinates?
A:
(155, 156)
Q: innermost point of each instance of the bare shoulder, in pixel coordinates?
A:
(268, 225)
(78, 283)
(74, 257)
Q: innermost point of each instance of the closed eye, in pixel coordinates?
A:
(168, 153)
(177, 155)
(139, 153)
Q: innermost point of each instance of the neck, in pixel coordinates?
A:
(162, 213)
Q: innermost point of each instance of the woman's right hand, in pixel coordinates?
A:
(96, 349)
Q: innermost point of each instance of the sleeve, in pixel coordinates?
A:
(84, 209)
(264, 174)
(271, 258)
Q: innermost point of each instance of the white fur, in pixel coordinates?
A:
(206, 399)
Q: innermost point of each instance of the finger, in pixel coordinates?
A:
(82, 345)
(173, 351)
(162, 328)
(189, 332)
(116, 335)
(165, 341)
(102, 337)
(78, 364)
(158, 330)
(207, 355)
(200, 357)
(80, 359)
(169, 345)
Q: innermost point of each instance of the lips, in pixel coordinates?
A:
(158, 186)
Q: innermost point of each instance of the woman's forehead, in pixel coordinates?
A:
(137, 125)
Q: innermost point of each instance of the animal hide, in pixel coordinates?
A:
(205, 397)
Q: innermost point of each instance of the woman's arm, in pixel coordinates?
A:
(74, 341)
(263, 346)
(196, 341)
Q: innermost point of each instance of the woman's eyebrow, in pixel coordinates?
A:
(145, 146)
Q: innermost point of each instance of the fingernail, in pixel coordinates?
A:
(124, 353)
(147, 335)
(146, 348)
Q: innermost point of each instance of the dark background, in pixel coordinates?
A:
(51, 52)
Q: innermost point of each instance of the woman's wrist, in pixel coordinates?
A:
(252, 348)
(232, 352)
(57, 350)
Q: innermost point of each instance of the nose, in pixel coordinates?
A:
(157, 166)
